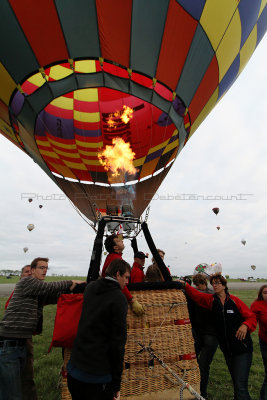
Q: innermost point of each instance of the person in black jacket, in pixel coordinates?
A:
(96, 362)
(234, 322)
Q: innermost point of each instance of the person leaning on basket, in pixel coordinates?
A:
(96, 362)
(23, 318)
(234, 322)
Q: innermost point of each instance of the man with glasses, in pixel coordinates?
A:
(23, 318)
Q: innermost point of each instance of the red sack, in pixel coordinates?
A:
(69, 308)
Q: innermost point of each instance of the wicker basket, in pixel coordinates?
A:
(166, 327)
(65, 394)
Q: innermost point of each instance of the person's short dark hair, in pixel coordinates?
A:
(109, 242)
(35, 261)
(200, 279)
(117, 265)
(219, 277)
(23, 268)
(260, 297)
(153, 274)
(140, 254)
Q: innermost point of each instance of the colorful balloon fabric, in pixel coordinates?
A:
(30, 227)
(253, 267)
(88, 73)
(208, 269)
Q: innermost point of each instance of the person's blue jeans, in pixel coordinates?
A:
(263, 392)
(206, 346)
(12, 361)
(239, 367)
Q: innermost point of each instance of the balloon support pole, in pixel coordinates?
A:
(130, 228)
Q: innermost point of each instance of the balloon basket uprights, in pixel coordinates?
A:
(129, 228)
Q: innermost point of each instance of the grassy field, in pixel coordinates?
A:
(47, 366)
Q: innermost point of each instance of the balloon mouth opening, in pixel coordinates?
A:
(94, 103)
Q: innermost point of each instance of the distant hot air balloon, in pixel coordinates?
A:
(253, 267)
(218, 227)
(40, 206)
(93, 76)
(243, 241)
(25, 249)
(29, 200)
(30, 227)
(216, 210)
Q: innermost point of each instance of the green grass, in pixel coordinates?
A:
(47, 366)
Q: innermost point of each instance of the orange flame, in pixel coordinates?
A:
(118, 158)
(111, 123)
(127, 114)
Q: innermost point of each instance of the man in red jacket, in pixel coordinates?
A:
(115, 246)
(137, 273)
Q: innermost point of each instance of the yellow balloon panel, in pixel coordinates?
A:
(229, 46)
(248, 48)
(216, 17)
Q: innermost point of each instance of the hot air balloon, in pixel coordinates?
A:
(218, 227)
(30, 227)
(25, 249)
(243, 241)
(93, 75)
(29, 200)
(208, 269)
(253, 267)
(40, 206)
(216, 210)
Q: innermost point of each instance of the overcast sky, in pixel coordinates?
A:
(223, 165)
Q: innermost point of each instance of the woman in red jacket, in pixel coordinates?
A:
(259, 307)
(233, 322)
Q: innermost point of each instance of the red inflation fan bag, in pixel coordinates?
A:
(69, 308)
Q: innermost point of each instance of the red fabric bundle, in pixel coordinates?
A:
(69, 308)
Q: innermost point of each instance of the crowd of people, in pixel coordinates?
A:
(218, 319)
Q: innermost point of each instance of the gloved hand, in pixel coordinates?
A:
(137, 308)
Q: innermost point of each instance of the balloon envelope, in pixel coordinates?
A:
(88, 74)
(218, 227)
(25, 249)
(243, 241)
(216, 210)
(40, 206)
(253, 267)
(30, 227)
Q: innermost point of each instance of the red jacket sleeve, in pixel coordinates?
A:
(127, 293)
(202, 299)
(249, 317)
